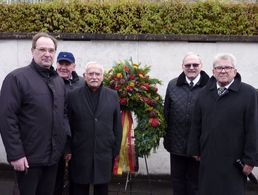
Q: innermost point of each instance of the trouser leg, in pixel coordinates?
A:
(101, 189)
(60, 177)
(80, 189)
(192, 176)
(47, 181)
(37, 180)
(178, 174)
(28, 181)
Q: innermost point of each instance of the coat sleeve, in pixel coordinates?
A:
(250, 153)
(193, 145)
(11, 103)
(117, 127)
(167, 105)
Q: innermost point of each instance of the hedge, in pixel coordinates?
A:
(199, 18)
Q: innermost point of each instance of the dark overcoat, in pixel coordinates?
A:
(96, 138)
(32, 118)
(178, 107)
(224, 129)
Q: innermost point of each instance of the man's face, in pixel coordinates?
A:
(192, 66)
(93, 76)
(44, 52)
(65, 69)
(224, 72)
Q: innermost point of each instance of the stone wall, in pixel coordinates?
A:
(163, 53)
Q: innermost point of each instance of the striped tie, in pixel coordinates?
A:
(221, 90)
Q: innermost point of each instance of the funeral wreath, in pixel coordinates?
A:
(139, 94)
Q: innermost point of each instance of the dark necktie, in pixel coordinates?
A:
(221, 90)
(191, 84)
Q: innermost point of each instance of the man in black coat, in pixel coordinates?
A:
(95, 120)
(65, 68)
(179, 101)
(32, 119)
(225, 128)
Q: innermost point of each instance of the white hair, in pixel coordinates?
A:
(93, 63)
(225, 56)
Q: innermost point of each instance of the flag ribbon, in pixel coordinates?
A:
(126, 159)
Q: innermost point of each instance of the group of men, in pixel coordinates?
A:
(53, 118)
(211, 123)
(50, 118)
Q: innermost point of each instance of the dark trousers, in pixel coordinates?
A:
(37, 180)
(84, 189)
(59, 186)
(184, 174)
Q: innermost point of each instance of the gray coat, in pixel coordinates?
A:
(225, 128)
(96, 136)
(179, 102)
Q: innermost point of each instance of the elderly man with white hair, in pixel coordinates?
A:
(224, 129)
(95, 120)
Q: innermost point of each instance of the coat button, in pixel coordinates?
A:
(96, 120)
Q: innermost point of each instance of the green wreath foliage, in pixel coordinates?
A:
(139, 94)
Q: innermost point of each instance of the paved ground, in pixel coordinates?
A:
(137, 185)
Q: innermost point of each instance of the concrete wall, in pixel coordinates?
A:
(164, 57)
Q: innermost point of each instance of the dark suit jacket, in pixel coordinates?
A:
(96, 138)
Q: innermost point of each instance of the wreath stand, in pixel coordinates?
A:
(129, 178)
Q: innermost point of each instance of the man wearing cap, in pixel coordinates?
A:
(65, 68)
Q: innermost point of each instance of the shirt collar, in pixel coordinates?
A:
(227, 86)
(194, 81)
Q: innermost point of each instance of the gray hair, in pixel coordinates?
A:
(224, 56)
(191, 54)
(91, 63)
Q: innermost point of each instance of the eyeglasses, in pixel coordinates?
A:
(194, 65)
(45, 50)
(225, 68)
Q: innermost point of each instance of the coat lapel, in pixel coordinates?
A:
(83, 95)
(101, 102)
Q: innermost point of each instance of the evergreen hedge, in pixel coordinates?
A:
(206, 18)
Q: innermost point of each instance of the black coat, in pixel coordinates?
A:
(75, 82)
(96, 137)
(225, 128)
(32, 115)
(179, 102)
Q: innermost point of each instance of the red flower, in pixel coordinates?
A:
(126, 69)
(123, 101)
(154, 122)
(129, 89)
(132, 77)
(117, 87)
(145, 87)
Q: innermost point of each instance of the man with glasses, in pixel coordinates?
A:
(95, 119)
(65, 68)
(225, 129)
(179, 101)
(32, 119)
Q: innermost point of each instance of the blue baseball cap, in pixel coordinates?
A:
(66, 56)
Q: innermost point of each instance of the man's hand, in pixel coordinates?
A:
(67, 157)
(197, 158)
(247, 169)
(20, 164)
